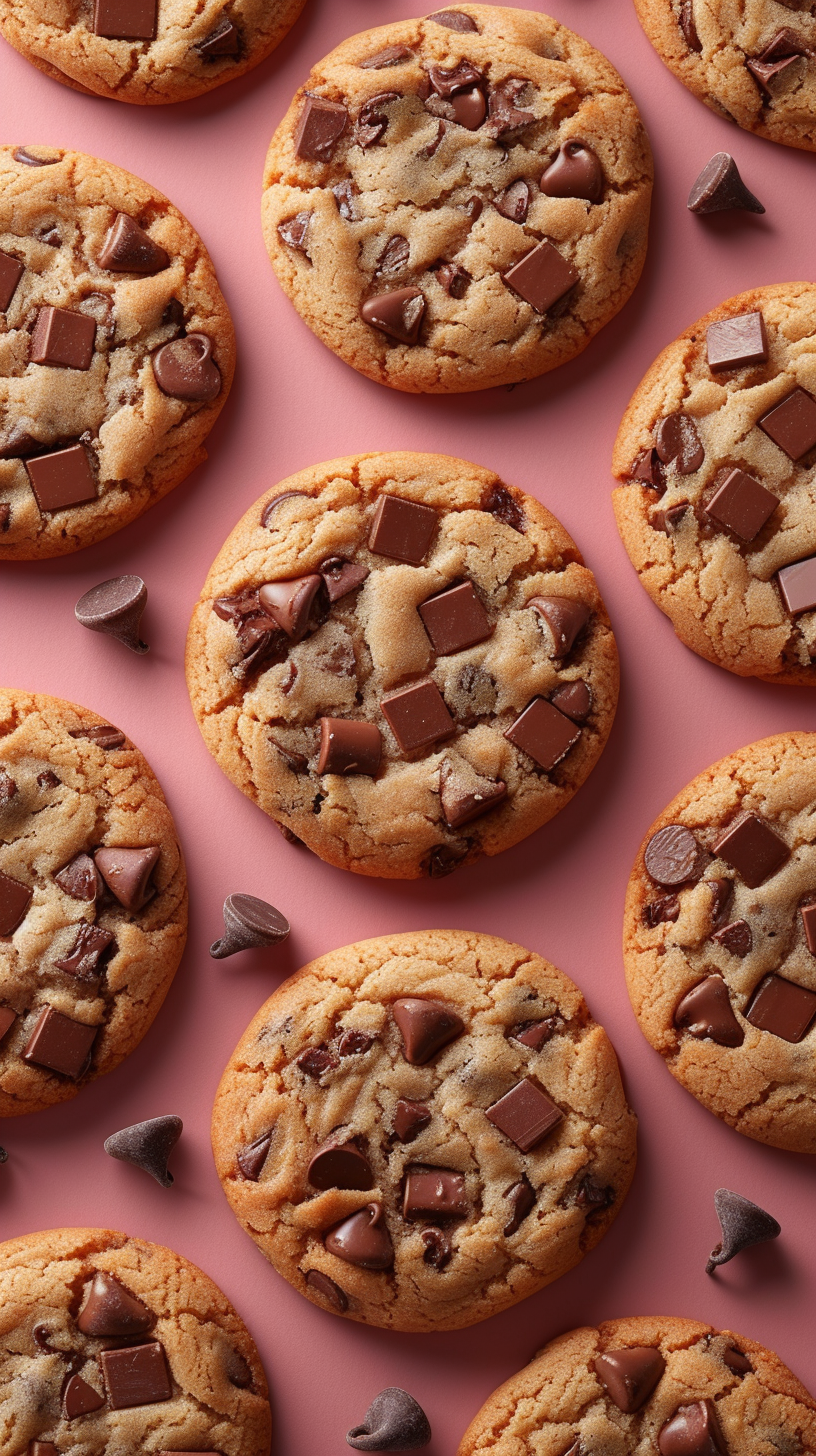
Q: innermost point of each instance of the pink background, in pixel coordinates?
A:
(560, 892)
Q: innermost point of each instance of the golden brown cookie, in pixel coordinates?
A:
(93, 899)
(459, 201)
(423, 1129)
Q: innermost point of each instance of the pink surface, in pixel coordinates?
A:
(561, 892)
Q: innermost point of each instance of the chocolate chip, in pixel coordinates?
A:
(797, 584)
(269, 510)
(251, 1158)
(393, 1422)
(331, 1292)
(752, 848)
(688, 26)
(115, 607)
(7, 1020)
(48, 780)
(736, 937)
(522, 1200)
(289, 603)
(417, 715)
(444, 859)
(658, 911)
(734, 343)
(362, 1239)
(395, 255)
(249, 924)
(461, 77)
(721, 894)
(51, 237)
(125, 19)
(466, 108)
(670, 520)
(742, 1223)
(791, 423)
(677, 442)
(174, 313)
(62, 479)
(398, 314)
(8, 788)
(720, 187)
(736, 1361)
(315, 1061)
(742, 505)
(438, 1248)
(340, 1165)
(782, 1008)
(565, 619)
(453, 279)
(393, 55)
(525, 1114)
(83, 959)
(575, 171)
(673, 856)
(30, 159)
(647, 467)
(433, 146)
(541, 277)
(372, 122)
(785, 42)
(15, 898)
(504, 508)
(514, 201)
(238, 1370)
(11, 271)
(543, 733)
(223, 41)
(693, 1430)
(102, 735)
(348, 746)
(409, 1119)
(402, 529)
(344, 195)
(454, 20)
(186, 370)
(295, 230)
(321, 125)
(127, 873)
(60, 1043)
(426, 1027)
(147, 1145)
(129, 249)
(764, 72)
(594, 1195)
(109, 1311)
(464, 800)
(629, 1376)
(574, 699)
(341, 577)
(706, 1012)
(534, 1034)
(505, 118)
(78, 1398)
(136, 1375)
(354, 1043)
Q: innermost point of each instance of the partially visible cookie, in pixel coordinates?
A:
(668, 1385)
(717, 501)
(420, 1130)
(93, 899)
(461, 201)
(147, 51)
(112, 1344)
(403, 661)
(719, 939)
(116, 350)
(751, 63)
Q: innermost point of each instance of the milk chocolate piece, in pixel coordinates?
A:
(764, 72)
(677, 442)
(11, 271)
(426, 1027)
(736, 937)
(223, 41)
(7, 1020)
(349, 746)
(461, 802)
(129, 249)
(667, 908)
(673, 856)
(797, 584)
(455, 619)
(59, 1043)
(362, 1239)
(409, 1117)
(393, 1422)
(785, 42)
(742, 1223)
(541, 277)
(402, 529)
(294, 230)
(808, 914)
(115, 607)
(543, 733)
(331, 1292)
(534, 1034)
(521, 1198)
(125, 19)
(791, 423)
(111, 1312)
(353, 1043)
(340, 1165)
(62, 479)
(733, 343)
(103, 735)
(454, 20)
(575, 171)
(742, 505)
(186, 370)
(249, 924)
(438, 1247)
(251, 1158)
(502, 506)
(398, 314)
(315, 1061)
(269, 511)
(434, 1193)
(736, 1361)
(147, 1145)
(417, 715)
(594, 1195)
(321, 125)
(454, 280)
(289, 603)
(629, 1376)
(79, 1398)
(127, 872)
(514, 201)
(565, 619)
(720, 187)
(706, 1012)
(782, 1008)
(466, 108)
(136, 1375)
(688, 26)
(446, 82)
(393, 55)
(752, 848)
(693, 1430)
(15, 898)
(341, 577)
(573, 699)
(83, 959)
(505, 118)
(525, 1114)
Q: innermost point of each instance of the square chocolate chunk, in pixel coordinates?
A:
(797, 584)
(125, 19)
(541, 277)
(784, 1009)
(62, 479)
(525, 1114)
(417, 715)
(62, 337)
(752, 848)
(742, 505)
(544, 733)
(791, 424)
(15, 898)
(808, 914)
(402, 529)
(733, 343)
(11, 271)
(59, 1043)
(136, 1375)
(455, 619)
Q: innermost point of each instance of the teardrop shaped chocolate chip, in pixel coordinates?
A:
(574, 172)
(185, 369)
(362, 1239)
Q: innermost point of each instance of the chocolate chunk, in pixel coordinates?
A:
(693, 1430)
(438, 1248)
(129, 249)
(525, 1114)
(115, 607)
(505, 118)
(575, 171)
(574, 699)
(434, 1193)
(720, 187)
(733, 343)
(752, 848)
(295, 230)
(736, 1361)
(501, 505)
(417, 715)
(797, 584)
(270, 508)
(785, 42)
(47, 779)
(522, 1199)
(393, 1422)
(402, 529)
(344, 195)
(223, 41)
(321, 125)
(15, 898)
(706, 1012)
(673, 856)
(764, 72)
(394, 255)
(110, 1311)
(348, 746)
(11, 271)
(670, 520)
(544, 733)
(341, 577)
(353, 1043)
(362, 1239)
(462, 801)
(340, 1165)
(398, 314)
(251, 1158)
(455, 619)
(315, 1061)
(7, 1020)
(444, 859)
(453, 279)
(125, 19)
(426, 1027)
(658, 911)
(8, 788)
(459, 78)
(103, 735)
(808, 914)
(534, 1034)
(51, 237)
(30, 159)
(331, 1292)
(736, 937)
(647, 468)
(629, 1376)
(127, 872)
(782, 1008)
(289, 603)
(147, 1145)
(677, 442)
(409, 1119)
(137, 1375)
(61, 479)
(791, 423)
(60, 1043)
(372, 122)
(594, 1195)
(742, 1223)
(79, 1398)
(454, 20)
(249, 924)
(565, 619)
(688, 26)
(514, 201)
(393, 55)
(742, 505)
(185, 369)
(541, 277)
(83, 959)
(721, 894)
(468, 108)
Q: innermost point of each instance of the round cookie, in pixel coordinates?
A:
(420, 1130)
(750, 62)
(149, 52)
(116, 350)
(461, 201)
(93, 899)
(647, 1384)
(112, 1345)
(373, 653)
(719, 939)
(715, 505)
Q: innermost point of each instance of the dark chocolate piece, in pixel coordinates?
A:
(186, 370)
(402, 529)
(249, 924)
(393, 1422)
(61, 479)
(321, 125)
(522, 1200)
(340, 1165)
(354, 1043)
(223, 41)
(426, 1027)
(453, 279)
(349, 746)
(136, 1375)
(434, 1193)
(115, 607)
(315, 1061)
(752, 848)
(251, 1158)
(15, 898)
(60, 1043)
(409, 1118)
(543, 733)
(688, 26)
(417, 715)
(573, 699)
(525, 1114)
(764, 72)
(147, 1145)
(331, 1292)
(362, 1239)
(125, 19)
(129, 249)
(455, 619)
(629, 1376)
(782, 1008)
(393, 55)
(693, 1430)
(111, 1312)
(673, 856)
(575, 171)
(734, 343)
(505, 119)
(462, 802)
(83, 959)
(502, 506)
(127, 872)
(667, 908)
(398, 314)
(372, 123)
(11, 271)
(720, 188)
(791, 423)
(743, 1223)
(534, 1034)
(677, 441)
(736, 937)
(541, 277)
(270, 508)
(706, 1012)
(742, 505)
(736, 1361)
(7, 1020)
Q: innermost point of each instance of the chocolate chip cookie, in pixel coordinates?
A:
(112, 1344)
(720, 939)
(716, 499)
(403, 661)
(147, 51)
(751, 63)
(673, 1386)
(460, 201)
(93, 899)
(116, 350)
(421, 1130)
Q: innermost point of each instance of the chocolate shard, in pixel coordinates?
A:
(693, 1430)
(720, 188)
(115, 607)
(109, 1311)
(83, 959)
(393, 1422)
(316, 1061)
(363, 1239)
(706, 1012)
(79, 1398)
(251, 1158)
(129, 249)
(766, 72)
(425, 1027)
(743, 1223)
(147, 1145)
(223, 41)
(372, 122)
(294, 231)
(249, 924)
(354, 1043)
(453, 279)
(629, 1376)
(535, 1034)
(673, 857)
(736, 1361)
(575, 171)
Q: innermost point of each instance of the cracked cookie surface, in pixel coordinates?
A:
(697, 1389)
(441, 782)
(113, 1345)
(116, 350)
(458, 203)
(720, 526)
(93, 899)
(720, 944)
(750, 61)
(422, 1129)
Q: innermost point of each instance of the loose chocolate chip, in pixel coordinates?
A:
(62, 478)
(629, 1376)
(534, 1034)
(295, 230)
(688, 26)
(125, 19)
(315, 1061)
(268, 512)
(677, 442)
(15, 898)
(501, 505)
(79, 1398)
(60, 1043)
(782, 1008)
(249, 924)
(673, 856)
(147, 1145)
(393, 1422)
(658, 911)
(127, 873)
(742, 1223)
(109, 1311)
(321, 125)
(504, 117)
(186, 370)
(797, 583)
(398, 314)
(348, 746)
(115, 607)
(565, 619)
(574, 172)
(344, 195)
(734, 343)
(525, 1114)
(454, 20)
(434, 1193)
(706, 1012)
(425, 1027)
(84, 957)
(573, 699)
(223, 41)
(102, 735)
(791, 423)
(736, 1361)
(736, 937)
(335, 1296)
(514, 201)
(251, 1158)
(752, 848)
(742, 505)
(522, 1199)
(136, 1375)
(393, 55)
(543, 733)
(340, 1165)
(409, 1119)
(438, 1248)
(693, 1430)
(541, 277)
(362, 1239)
(720, 188)
(129, 249)
(453, 279)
